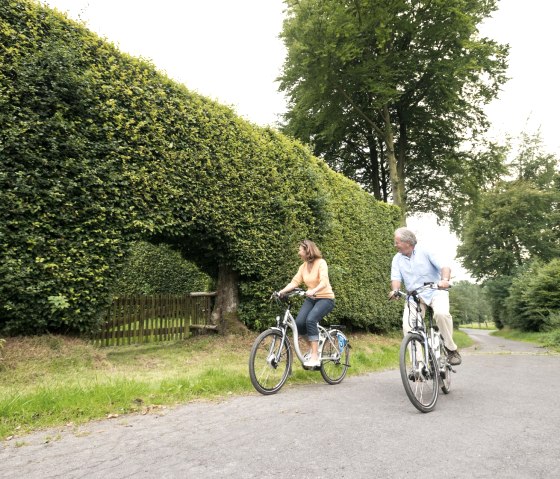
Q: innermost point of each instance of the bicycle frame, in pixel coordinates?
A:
(288, 321)
(423, 376)
(271, 357)
(418, 325)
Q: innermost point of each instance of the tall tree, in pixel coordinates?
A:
(387, 91)
(516, 221)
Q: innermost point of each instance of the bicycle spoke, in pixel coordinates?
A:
(334, 361)
(269, 362)
(420, 380)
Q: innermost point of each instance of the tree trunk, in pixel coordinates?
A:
(374, 166)
(397, 180)
(224, 314)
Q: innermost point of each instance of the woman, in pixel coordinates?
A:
(314, 273)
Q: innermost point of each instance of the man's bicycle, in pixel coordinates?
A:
(271, 358)
(423, 358)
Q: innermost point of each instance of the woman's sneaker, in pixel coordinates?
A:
(312, 363)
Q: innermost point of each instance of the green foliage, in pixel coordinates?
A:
(469, 303)
(519, 315)
(497, 293)
(513, 223)
(389, 92)
(516, 221)
(536, 297)
(154, 269)
(552, 338)
(511, 233)
(99, 150)
(531, 300)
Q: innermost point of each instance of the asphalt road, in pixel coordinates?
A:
(501, 420)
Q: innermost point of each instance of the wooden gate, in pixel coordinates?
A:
(150, 318)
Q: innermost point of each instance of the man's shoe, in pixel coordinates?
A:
(454, 357)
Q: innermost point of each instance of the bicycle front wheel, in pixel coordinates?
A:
(334, 363)
(270, 362)
(420, 380)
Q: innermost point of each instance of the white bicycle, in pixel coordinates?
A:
(423, 360)
(270, 361)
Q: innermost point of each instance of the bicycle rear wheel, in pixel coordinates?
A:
(270, 362)
(334, 363)
(420, 381)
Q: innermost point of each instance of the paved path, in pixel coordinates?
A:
(501, 420)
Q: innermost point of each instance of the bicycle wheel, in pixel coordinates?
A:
(420, 381)
(270, 362)
(334, 363)
(444, 369)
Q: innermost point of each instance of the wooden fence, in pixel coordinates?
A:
(162, 317)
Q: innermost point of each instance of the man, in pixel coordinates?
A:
(415, 266)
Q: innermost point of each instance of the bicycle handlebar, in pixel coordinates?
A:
(413, 293)
(289, 294)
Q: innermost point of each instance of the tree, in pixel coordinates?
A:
(511, 226)
(517, 221)
(497, 293)
(469, 303)
(388, 91)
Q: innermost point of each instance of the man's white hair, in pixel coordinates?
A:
(406, 235)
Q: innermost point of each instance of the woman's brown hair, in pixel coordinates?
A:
(311, 250)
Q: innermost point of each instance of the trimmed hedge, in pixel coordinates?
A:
(155, 269)
(99, 149)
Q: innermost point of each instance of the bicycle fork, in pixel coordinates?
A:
(416, 360)
(275, 351)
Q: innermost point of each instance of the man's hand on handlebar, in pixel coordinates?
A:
(393, 294)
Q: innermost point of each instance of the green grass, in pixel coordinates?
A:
(550, 339)
(462, 340)
(54, 381)
(485, 325)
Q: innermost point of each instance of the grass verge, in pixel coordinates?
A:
(485, 325)
(52, 381)
(550, 339)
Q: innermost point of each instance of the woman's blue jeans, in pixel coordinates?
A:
(311, 312)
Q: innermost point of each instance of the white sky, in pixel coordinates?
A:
(229, 50)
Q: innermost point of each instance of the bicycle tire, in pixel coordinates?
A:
(444, 368)
(334, 365)
(270, 362)
(421, 386)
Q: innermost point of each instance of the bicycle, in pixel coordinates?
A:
(271, 358)
(424, 366)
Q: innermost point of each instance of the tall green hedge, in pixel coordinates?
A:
(99, 149)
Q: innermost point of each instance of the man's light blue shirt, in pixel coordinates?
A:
(422, 267)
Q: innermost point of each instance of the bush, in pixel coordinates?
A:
(100, 150)
(154, 269)
(534, 296)
(543, 295)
